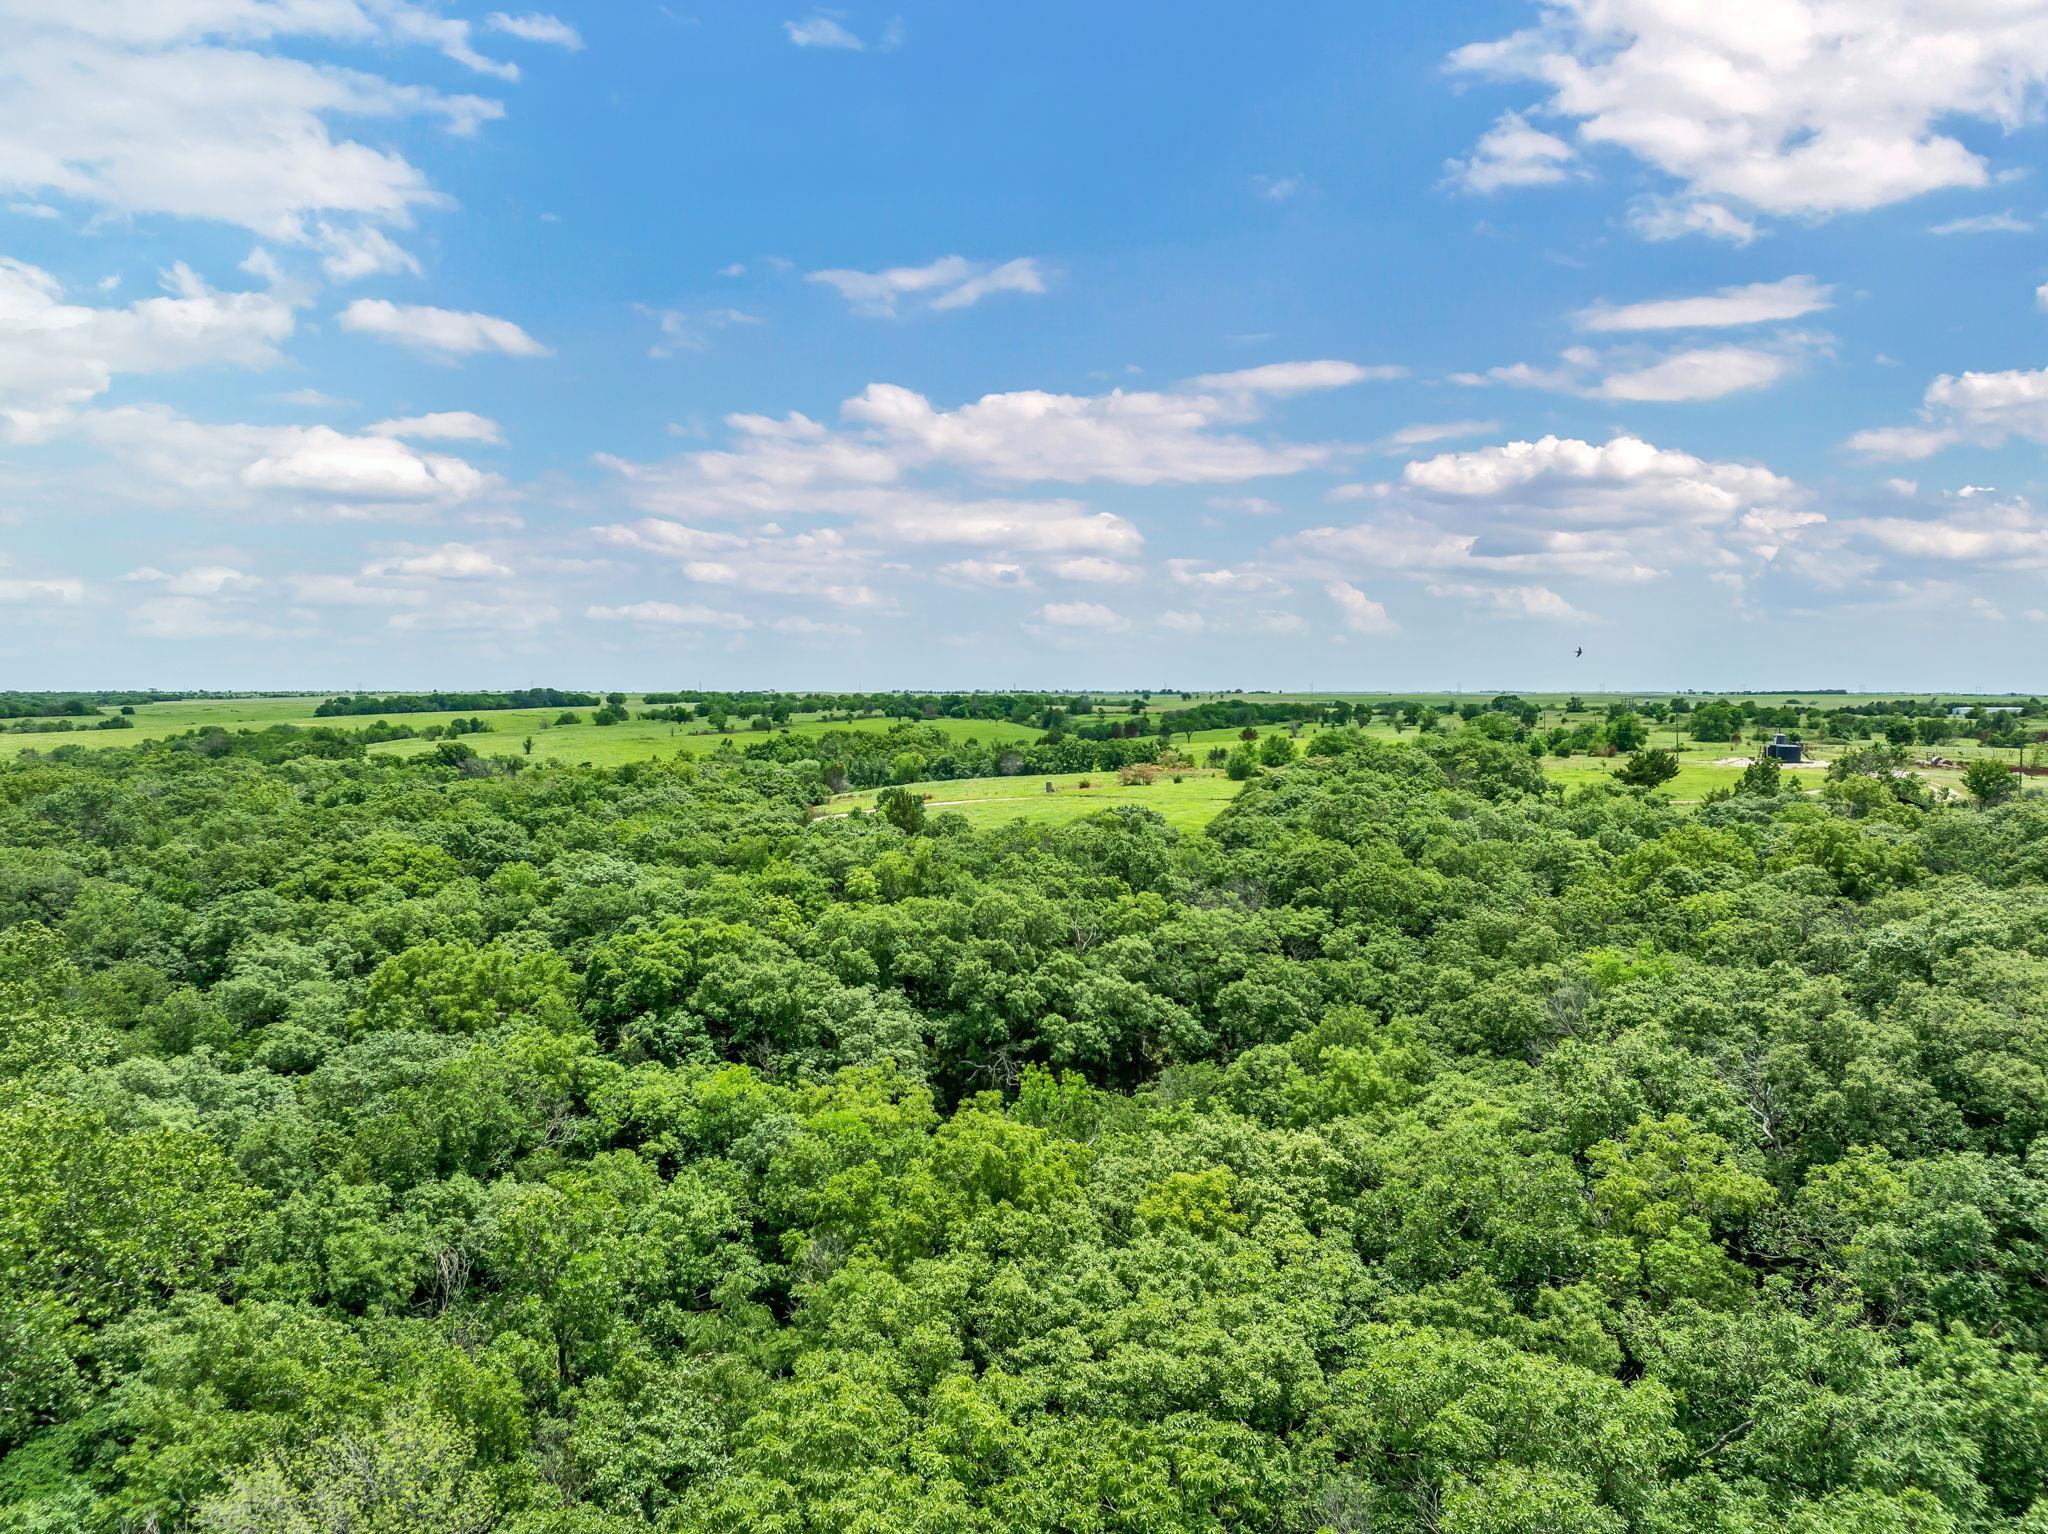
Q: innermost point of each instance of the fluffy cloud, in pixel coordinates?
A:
(1093, 570)
(871, 474)
(1982, 408)
(322, 461)
(1091, 616)
(1513, 154)
(536, 28)
(1686, 374)
(1423, 433)
(1295, 377)
(1985, 223)
(1032, 527)
(669, 615)
(989, 574)
(351, 253)
(178, 109)
(1513, 601)
(893, 481)
(56, 355)
(813, 628)
(165, 457)
(176, 618)
(449, 562)
(28, 591)
(196, 580)
(1220, 580)
(1512, 517)
(1751, 304)
(1799, 107)
(439, 426)
(1622, 480)
(1697, 373)
(951, 282)
(1138, 438)
(1662, 219)
(2009, 535)
(1357, 611)
(442, 333)
(823, 565)
(821, 29)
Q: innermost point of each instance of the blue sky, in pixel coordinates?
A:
(353, 343)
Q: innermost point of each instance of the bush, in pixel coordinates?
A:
(1990, 782)
(1765, 775)
(902, 809)
(1648, 769)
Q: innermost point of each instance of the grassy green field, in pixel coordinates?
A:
(1191, 803)
(641, 740)
(637, 740)
(1187, 805)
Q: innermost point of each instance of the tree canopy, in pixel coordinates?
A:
(468, 1144)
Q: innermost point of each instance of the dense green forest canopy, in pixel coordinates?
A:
(460, 1144)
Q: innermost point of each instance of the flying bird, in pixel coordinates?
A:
(1579, 653)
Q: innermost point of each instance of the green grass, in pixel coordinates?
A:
(1187, 805)
(1696, 775)
(641, 740)
(637, 740)
(1191, 803)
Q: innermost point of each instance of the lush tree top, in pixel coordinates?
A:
(456, 1144)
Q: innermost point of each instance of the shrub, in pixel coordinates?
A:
(1990, 782)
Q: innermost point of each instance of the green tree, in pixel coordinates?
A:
(1627, 732)
(1651, 768)
(1990, 781)
(1765, 775)
(902, 808)
(1276, 751)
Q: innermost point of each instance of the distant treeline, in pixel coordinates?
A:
(1014, 707)
(1236, 714)
(43, 724)
(83, 705)
(915, 753)
(454, 702)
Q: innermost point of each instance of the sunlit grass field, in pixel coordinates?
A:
(1191, 803)
(1187, 805)
(637, 740)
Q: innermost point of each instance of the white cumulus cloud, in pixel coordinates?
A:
(1359, 612)
(951, 282)
(1796, 107)
(1753, 303)
(438, 332)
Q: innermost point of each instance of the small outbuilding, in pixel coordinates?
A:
(1784, 750)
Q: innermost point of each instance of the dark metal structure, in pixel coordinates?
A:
(1784, 750)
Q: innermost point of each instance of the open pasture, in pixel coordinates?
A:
(1187, 805)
